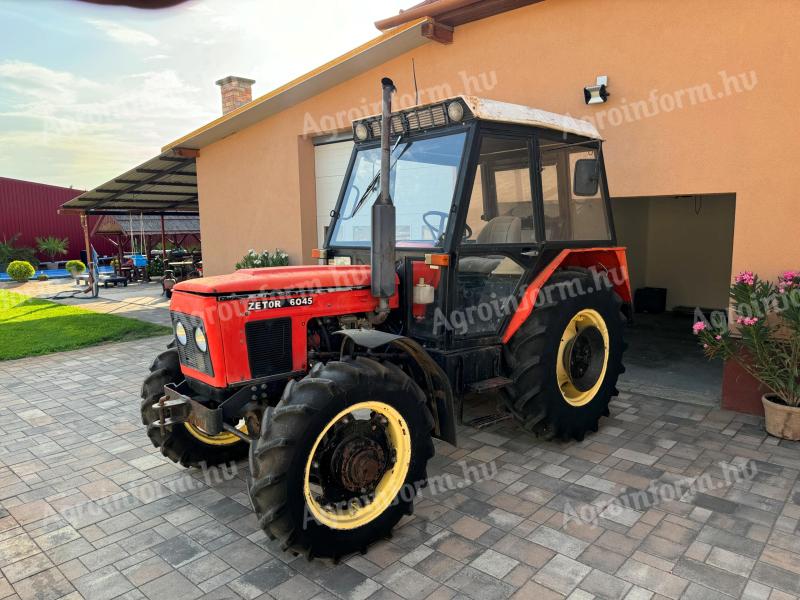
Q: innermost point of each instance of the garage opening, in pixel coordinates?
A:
(679, 253)
(331, 156)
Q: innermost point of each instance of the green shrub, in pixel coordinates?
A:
(155, 266)
(42, 277)
(280, 258)
(20, 270)
(9, 252)
(255, 260)
(75, 267)
(52, 246)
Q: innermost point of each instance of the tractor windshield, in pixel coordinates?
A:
(422, 183)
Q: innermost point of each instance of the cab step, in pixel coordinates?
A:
(481, 387)
(487, 420)
(489, 385)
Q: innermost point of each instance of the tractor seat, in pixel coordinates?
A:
(523, 210)
(500, 230)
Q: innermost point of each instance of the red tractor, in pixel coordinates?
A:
(471, 250)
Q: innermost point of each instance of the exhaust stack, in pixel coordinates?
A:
(383, 214)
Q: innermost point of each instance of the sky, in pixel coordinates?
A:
(87, 91)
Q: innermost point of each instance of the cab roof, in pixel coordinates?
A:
(506, 112)
(430, 116)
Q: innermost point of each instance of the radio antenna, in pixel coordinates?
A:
(416, 90)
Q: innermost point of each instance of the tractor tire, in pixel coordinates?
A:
(560, 389)
(314, 435)
(183, 444)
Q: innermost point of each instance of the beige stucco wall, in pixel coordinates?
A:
(256, 186)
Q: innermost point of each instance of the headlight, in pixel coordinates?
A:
(362, 132)
(455, 111)
(200, 339)
(180, 333)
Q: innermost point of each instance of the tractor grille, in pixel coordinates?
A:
(419, 119)
(433, 116)
(269, 346)
(190, 355)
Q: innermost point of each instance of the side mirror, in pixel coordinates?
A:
(587, 177)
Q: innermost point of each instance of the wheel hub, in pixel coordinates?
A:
(584, 358)
(362, 464)
(353, 460)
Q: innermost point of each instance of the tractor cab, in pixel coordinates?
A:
(486, 193)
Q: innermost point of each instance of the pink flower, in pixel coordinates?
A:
(787, 280)
(718, 337)
(747, 321)
(745, 277)
(698, 327)
(705, 346)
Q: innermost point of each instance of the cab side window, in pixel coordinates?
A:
(571, 213)
(501, 204)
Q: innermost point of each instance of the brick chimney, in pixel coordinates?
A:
(235, 92)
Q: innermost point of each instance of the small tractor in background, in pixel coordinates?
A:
(471, 250)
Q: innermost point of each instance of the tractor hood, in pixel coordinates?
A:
(270, 279)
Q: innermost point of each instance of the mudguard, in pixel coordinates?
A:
(437, 386)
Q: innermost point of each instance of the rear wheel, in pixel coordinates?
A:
(566, 358)
(341, 457)
(183, 443)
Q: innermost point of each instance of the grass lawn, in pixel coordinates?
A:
(29, 327)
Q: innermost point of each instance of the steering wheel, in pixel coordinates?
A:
(438, 231)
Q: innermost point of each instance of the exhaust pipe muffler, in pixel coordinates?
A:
(382, 249)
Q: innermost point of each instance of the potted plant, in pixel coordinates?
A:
(52, 247)
(765, 342)
(75, 267)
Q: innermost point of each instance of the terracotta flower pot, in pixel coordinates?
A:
(781, 420)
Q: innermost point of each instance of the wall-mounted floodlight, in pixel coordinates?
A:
(597, 94)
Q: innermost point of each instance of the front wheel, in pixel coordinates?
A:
(183, 443)
(341, 457)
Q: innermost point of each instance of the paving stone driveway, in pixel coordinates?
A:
(91, 510)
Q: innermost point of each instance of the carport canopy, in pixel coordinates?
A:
(164, 185)
(135, 225)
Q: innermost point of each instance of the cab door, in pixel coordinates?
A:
(499, 227)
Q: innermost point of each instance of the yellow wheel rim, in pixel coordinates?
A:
(582, 320)
(221, 439)
(357, 514)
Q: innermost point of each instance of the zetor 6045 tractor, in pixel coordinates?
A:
(471, 250)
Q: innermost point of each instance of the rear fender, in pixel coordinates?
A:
(436, 386)
(611, 261)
